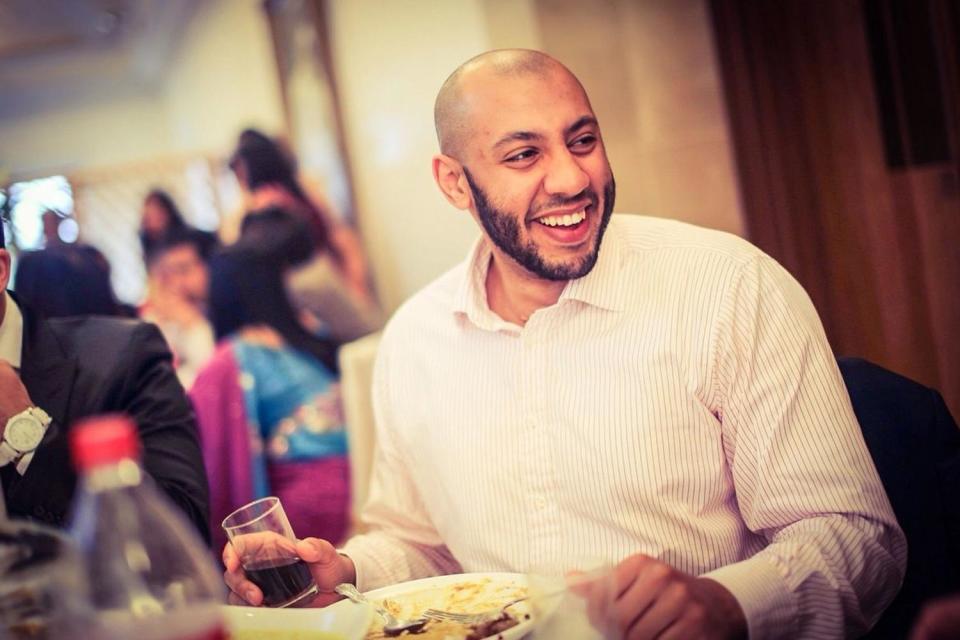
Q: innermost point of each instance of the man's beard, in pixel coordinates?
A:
(504, 230)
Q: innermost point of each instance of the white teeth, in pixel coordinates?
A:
(567, 220)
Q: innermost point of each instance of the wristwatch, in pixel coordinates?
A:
(23, 434)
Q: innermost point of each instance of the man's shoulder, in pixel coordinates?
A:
(428, 312)
(102, 337)
(641, 235)
(435, 300)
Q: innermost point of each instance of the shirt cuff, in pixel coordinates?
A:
(361, 562)
(24, 463)
(758, 586)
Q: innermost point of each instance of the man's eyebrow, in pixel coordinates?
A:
(517, 135)
(513, 136)
(581, 122)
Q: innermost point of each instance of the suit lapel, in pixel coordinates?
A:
(46, 371)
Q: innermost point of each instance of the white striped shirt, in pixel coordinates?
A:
(680, 401)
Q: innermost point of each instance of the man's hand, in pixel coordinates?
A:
(647, 598)
(328, 567)
(13, 395)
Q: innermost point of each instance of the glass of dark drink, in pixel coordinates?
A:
(263, 538)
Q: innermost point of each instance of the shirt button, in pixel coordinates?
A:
(540, 503)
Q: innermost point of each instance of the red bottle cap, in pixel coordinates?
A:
(103, 440)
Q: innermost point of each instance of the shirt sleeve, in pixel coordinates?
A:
(402, 543)
(803, 476)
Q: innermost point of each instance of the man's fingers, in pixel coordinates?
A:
(627, 572)
(242, 589)
(323, 560)
(663, 611)
(650, 580)
(230, 558)
(577, 583)
(315, 550)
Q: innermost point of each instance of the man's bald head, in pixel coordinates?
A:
(451, 109)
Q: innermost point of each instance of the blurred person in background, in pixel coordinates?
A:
(176, 301)
(334, 284)
(160, 214)
(55, 371)
(67, 280)
(268, 403)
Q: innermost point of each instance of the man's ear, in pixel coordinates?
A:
(4, 269)
(448, 173)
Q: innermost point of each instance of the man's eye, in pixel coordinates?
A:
(584, 143)
(520, 156)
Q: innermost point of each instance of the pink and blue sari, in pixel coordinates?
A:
(271, 424)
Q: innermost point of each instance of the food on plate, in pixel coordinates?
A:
(495, 625)
(282, 634)
(469, 596)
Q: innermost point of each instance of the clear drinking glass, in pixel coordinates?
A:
(575, 604)
(263, 538)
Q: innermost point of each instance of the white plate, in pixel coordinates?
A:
(347, 623)
(488, 590)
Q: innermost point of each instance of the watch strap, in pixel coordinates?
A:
(40, 415)
(7, 453)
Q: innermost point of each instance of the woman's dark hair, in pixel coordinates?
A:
(203, 242)
(174, 218)
(72, 280)
(247, 287)
(261, 161)
(278, 232)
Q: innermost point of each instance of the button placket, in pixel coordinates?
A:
(540, 483)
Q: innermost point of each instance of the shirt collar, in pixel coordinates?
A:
(600, 288)
(470, 299)
(11, 333)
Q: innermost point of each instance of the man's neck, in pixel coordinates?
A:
(514, 294)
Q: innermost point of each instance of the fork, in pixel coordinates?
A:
(474, 618)
(392, 626)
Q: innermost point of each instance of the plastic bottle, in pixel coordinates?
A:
(151, 577)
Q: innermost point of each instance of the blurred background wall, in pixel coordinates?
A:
(176, 76)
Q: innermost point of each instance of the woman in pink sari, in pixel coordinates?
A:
(268, 403)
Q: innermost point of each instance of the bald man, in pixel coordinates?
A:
(584, 386)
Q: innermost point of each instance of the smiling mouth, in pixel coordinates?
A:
(566, 220)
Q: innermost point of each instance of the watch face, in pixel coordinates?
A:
(24, 433)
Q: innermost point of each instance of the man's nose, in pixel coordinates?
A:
(565, 176)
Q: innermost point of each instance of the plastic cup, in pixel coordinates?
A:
(573, 604)
(263, 538)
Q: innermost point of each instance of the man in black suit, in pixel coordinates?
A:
(54, 372)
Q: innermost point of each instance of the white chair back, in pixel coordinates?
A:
(356, 378)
